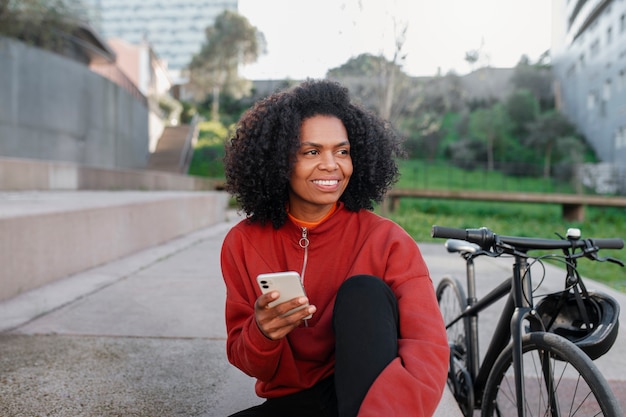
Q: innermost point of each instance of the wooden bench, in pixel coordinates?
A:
(573, 204)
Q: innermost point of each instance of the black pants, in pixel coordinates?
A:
(365, 321)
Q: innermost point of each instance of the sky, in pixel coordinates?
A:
(305, 38)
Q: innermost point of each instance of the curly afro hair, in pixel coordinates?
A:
(260, 156)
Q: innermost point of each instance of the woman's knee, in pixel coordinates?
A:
(365, 288)
(365, 296)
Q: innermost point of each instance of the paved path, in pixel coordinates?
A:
(145, 335)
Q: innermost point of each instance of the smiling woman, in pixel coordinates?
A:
(322, 169)
(312, 127)
(306, 166)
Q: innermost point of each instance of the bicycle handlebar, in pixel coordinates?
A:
(607, 243)
(486, 239)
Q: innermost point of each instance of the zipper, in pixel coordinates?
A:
(304, 244)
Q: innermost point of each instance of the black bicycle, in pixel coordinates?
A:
(539, 361)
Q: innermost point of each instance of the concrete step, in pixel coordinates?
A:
(46, 236)
(169, 150)
(18, 174)
(173, 137)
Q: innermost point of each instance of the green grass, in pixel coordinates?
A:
(442, 175)
(209, 151)
(417, 216)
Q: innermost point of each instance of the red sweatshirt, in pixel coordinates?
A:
(346, 244)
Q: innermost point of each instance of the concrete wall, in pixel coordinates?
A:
(47, 236)
(52, 108)
(29, 174)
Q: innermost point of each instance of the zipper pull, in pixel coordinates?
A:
(304, 240)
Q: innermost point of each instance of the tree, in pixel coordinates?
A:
(231, 41)
(535, 78)
(466, 153)
(42, 23)
(362, 65)
(471, 57)
(391, 72)
(382, 77)
(523, 108)
(477, 57)
(379, 84)
(490, 125)
(546, 132)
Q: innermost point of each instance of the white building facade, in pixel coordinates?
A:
(589, 62)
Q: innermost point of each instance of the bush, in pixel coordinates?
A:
(41, 23)
(467, 153)
(208, 154)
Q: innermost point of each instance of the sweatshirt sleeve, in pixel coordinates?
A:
(247, 348)
(416, 378)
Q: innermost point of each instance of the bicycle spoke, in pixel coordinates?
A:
(559, 381)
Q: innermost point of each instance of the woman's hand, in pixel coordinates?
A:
(273, 322)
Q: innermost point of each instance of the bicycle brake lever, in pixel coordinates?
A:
(612, 260)
(591, 252)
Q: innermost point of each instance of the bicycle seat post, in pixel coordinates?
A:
(471, 280)
(472, 320)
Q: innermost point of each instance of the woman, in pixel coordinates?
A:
(307, 165)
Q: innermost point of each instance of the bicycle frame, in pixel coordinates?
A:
(519, 310)
(518, 307)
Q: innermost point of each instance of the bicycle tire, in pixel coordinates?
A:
(580, 388)
(451, 299)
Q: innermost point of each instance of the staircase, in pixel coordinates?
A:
(172, 149)
(175, 148)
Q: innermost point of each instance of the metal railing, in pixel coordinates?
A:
(190, 141)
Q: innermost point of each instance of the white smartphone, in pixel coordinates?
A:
(288, 284)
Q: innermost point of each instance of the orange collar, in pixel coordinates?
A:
(310, 225)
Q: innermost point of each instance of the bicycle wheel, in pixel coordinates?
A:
(552, 364)
(451, 299)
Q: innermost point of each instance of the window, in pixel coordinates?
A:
(622, 23)
(591, 100)
(609, 35)
(606, 91)
(620, 138)
(594, 48)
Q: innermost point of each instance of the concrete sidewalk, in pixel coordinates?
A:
(145, 336)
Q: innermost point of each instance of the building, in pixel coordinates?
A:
(175, 29)
(143, 74)
(589, 63)
(142, 66)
